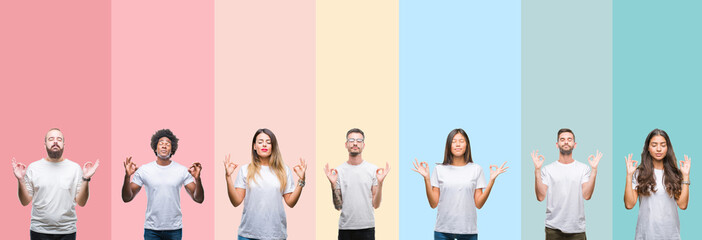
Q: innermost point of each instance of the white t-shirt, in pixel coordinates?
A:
(565, 205)
(53, 187)
(163, 184)
(456, 212)
(355, 182)
(264, 214)
(658, 212)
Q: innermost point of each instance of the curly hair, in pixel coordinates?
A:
(164, 133)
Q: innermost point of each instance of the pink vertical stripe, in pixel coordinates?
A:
(54, 71)
(162, 66)
(265, 78)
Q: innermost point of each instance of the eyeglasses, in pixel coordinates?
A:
(351, 140)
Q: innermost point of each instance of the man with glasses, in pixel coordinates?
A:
(362, 186)
(163, 179)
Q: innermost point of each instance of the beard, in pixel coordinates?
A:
(565, 152)
(54, 154)
(163, 157)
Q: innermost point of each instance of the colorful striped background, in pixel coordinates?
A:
(511, 73)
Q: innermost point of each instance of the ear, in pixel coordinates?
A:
(575, 144)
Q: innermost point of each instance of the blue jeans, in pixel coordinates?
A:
(243, 238)
(163, 234)
(451, 236)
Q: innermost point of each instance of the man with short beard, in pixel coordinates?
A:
(163, 179)
(54, 185)
(567, 183)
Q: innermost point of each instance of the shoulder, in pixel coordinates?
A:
(369, 165)
(36, 163)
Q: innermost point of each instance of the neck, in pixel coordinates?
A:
(565, 158)
(265, 161)
(163, 162)
(355, 160)
(658, 164)
(458, 161)
(54, 159)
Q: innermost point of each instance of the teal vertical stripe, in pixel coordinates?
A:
(657, 49)
(567, 82)
(460, 68)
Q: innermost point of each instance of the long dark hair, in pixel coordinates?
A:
(448, 156)
(672, 177)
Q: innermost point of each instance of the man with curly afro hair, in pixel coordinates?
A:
(163, 179)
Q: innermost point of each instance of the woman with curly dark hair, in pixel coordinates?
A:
(661, 184)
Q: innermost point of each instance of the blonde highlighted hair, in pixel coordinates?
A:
(275, 163)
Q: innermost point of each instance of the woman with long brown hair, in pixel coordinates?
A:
(458, 188)
(661, 184)
(263, 185)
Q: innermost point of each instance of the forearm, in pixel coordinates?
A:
(378, 196)
(292, 199)
(630, 197)
(539, 186)
(234, 197)
(486, 193)
(684, 194)
(336, 197)
(590, 185)
(199, 194)
(431, 197)
(22, 193)
(83, 194)
(127, 194)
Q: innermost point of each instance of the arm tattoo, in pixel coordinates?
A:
(336, 196)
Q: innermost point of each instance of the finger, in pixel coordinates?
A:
(541, 157)
(414, 164)
(415, 170)
(424, 164)
(505, 169)
(334, 172)
(387, 167)
(503, 164)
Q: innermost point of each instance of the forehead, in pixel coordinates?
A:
(263, 136)
(166, 139)
(658, 139)
(54, 133)
(565, 135)
(355, 135)
(459, 136)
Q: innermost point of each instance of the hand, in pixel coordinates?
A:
(229, 166)
(594, 160)
(630, 165)
(90, 168)
(19, 169)
(130, 167)
(421, 168)
(300, 169)
(195, 170)
(332, 174)
(685, 166)
(382, 172)
(497, 171)
(537, 159)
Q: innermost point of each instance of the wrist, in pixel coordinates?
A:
(686, 178)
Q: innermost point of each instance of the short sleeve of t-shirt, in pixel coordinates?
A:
(434, 178)
(78, 179)
(545, 176)
(586, 175)
(290, 186)
(137, 179)
(28, 183)
(187, 178)
(480, 182)
(240, 181)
